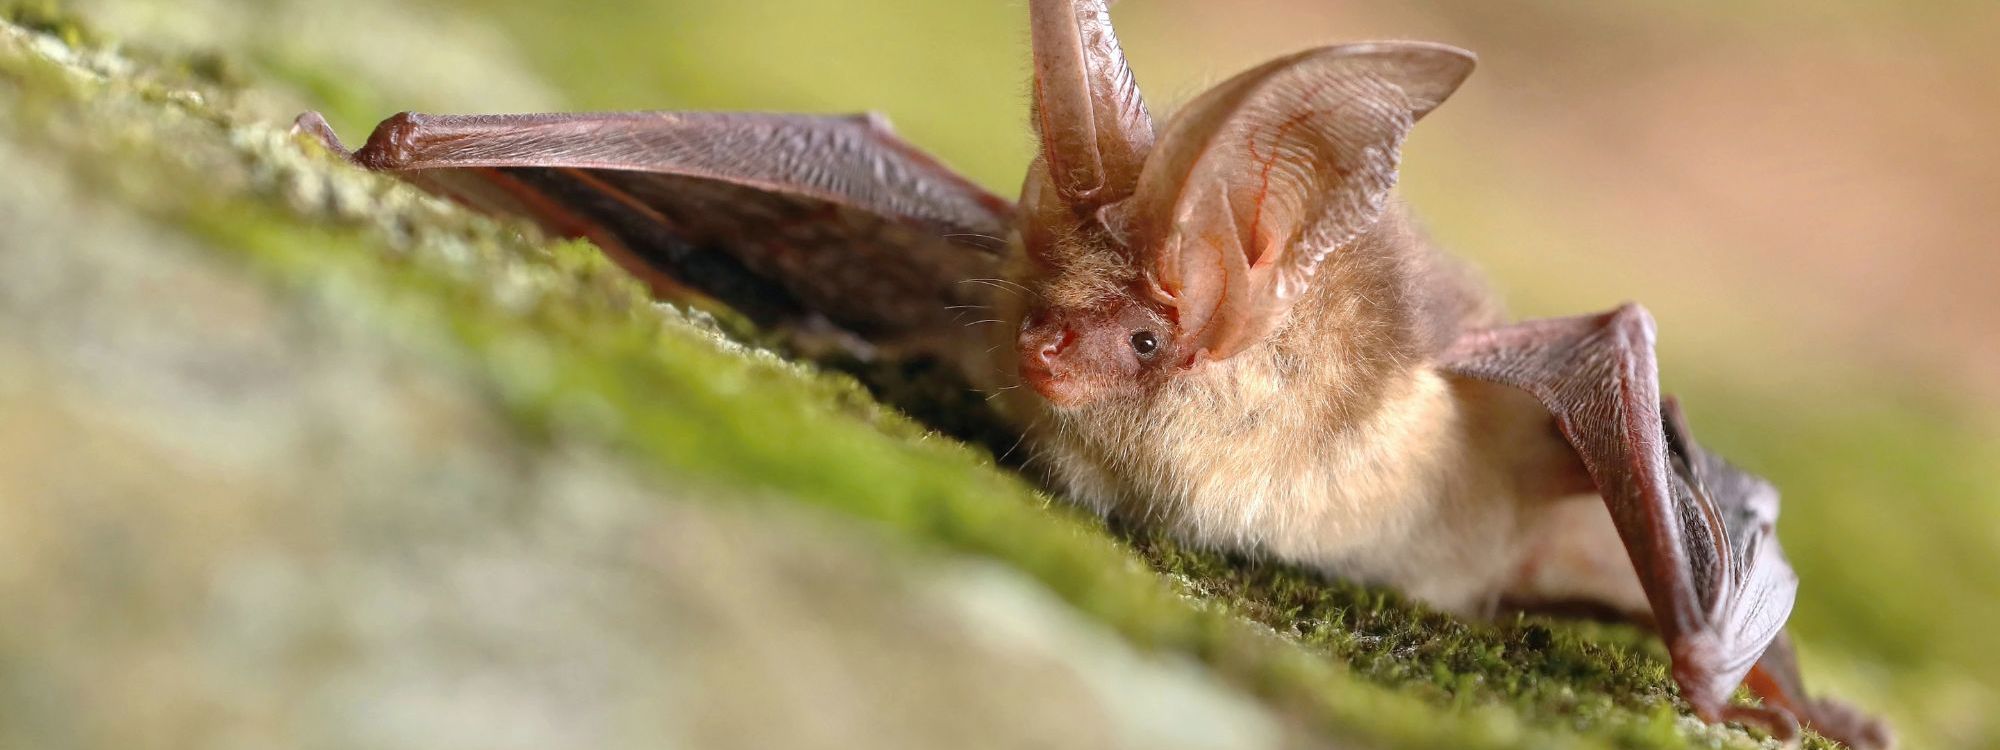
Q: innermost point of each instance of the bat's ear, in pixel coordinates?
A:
(1094, 127)
(1259, 179)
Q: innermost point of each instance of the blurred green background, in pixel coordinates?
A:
(1803, 192)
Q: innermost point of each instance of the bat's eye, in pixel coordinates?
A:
(1145, 342)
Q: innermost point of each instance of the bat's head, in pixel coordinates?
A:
(1149, 257)
(1087, 332)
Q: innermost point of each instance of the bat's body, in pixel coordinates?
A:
(1230, 326)
(1374, 465)
(1419, 487)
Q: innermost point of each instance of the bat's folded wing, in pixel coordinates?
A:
(1700, 532)
(782, 216)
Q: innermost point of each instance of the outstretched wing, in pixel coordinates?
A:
(783, 216)
(1700, 532)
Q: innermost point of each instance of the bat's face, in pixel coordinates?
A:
(1087, 333)
(1075, 356)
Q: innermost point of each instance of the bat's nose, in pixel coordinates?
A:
(1040, 346)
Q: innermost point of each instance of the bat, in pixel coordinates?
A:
(1226, 323)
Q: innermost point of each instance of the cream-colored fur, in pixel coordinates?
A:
(1399, 498)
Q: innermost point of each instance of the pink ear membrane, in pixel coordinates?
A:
(1427, 72)
(1260, 179)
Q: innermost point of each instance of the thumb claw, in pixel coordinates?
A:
(314, 125)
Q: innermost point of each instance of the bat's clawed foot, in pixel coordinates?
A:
(1844, 724)
(1830, 719)
(314, 125)
(1777, 722)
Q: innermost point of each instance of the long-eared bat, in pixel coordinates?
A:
(1226, 323)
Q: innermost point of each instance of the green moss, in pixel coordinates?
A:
(570, 348)
(47, 17)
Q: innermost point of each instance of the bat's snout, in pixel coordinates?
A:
(1040, 349)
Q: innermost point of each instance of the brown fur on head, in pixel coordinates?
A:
(1089, 333)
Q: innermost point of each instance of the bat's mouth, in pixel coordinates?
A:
(1059, 391)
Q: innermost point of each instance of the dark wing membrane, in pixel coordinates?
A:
(782, 216)
(1749, 509)
(1700, 532)
(1758, 589)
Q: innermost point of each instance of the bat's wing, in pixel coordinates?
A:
(1700, 533)
(785, 217)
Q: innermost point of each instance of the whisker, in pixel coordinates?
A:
(991, 242)
(1023, 438)
(1027, 462)
(988, 283)
(1002, 285)
(1016, 285)
(979, 322)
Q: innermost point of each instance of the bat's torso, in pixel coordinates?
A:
(1338, 445)
(1397, 498)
